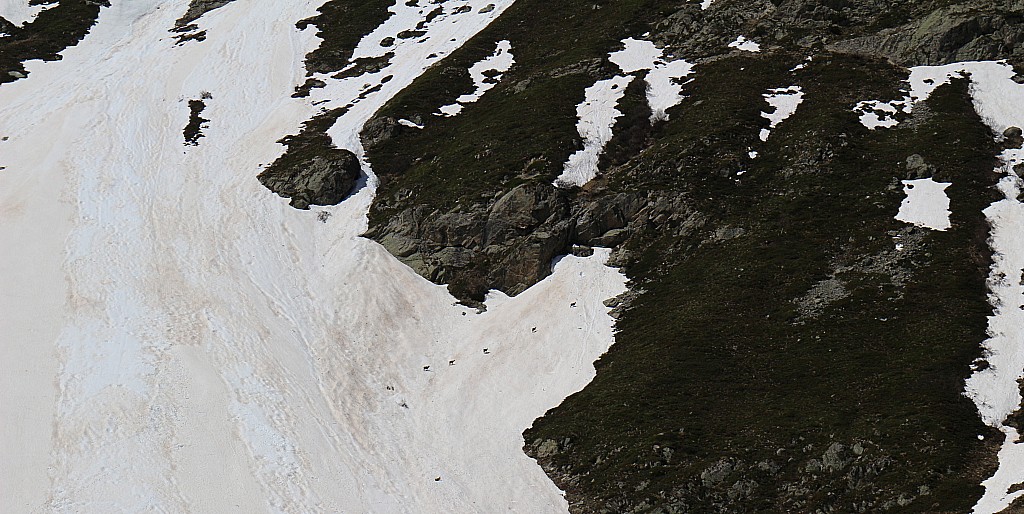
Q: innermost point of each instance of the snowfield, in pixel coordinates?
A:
(175, 338)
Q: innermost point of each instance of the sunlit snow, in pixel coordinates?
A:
(876, 113)
(598, 112)
(663, 87)
(178, 339)
(19, 12)
(742, 43)
(926, 204)
(784, 101)
(597, 115)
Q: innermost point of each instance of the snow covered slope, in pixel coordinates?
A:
(176, 339)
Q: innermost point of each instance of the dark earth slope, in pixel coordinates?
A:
(777, 351)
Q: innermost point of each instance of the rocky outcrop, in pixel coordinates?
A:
(509, 242)
(196, 10)
(954, 34)
(906, 33)
(313, 171)
(323, 178)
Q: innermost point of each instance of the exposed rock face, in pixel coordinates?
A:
(754, 368)
(196, 10)
(323, 178)
(313, 171)
(509, 248)
(958, 33)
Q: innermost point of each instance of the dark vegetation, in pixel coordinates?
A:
(723, 393)
(718, 397)
(196, 123)
(341, 24)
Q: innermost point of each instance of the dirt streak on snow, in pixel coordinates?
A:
(178, 339)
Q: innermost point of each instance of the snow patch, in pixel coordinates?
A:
(597, 115)
(408, 123)
(876, 113)
(926, 204)
(785, 101)
(598, 112)
(663, 88)
(486, 74)
(744, 44)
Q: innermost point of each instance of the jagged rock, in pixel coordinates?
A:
(196, 10)
(324, 178)
(947, 35)
(377, 130)
(917, 168)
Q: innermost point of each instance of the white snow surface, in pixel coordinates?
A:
(19, 12)
(177, 339)
(636, 55)
(500, 61)
(598, 112)
(409, 123)
(705, 4)
(744, 44)
(876, 113)
(784, 101)
(597, 115)
(663, 87)
(926, 204)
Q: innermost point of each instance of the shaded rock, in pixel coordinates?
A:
(917, 168)
(313, 171)
(196, 9)
(322, 178)
(953, 34)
